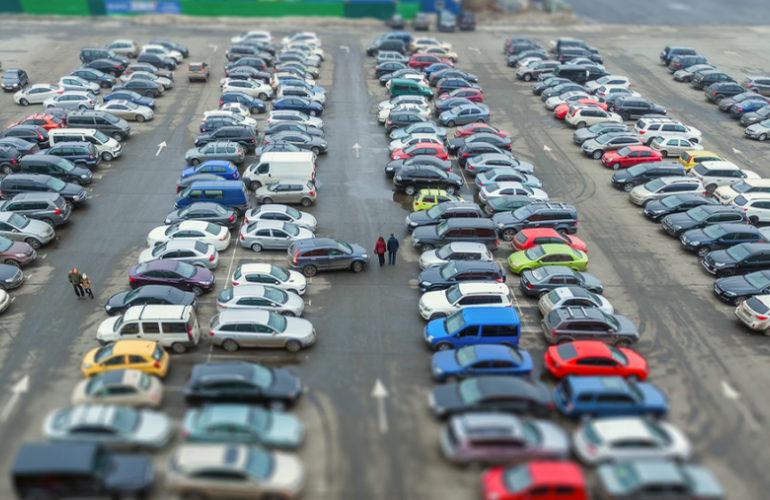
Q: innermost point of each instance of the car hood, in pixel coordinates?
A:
(681, 220)
(205, 136)
(757, 127)
(430, 258)
(284, 430)
(129, 472)
(654, 398)
(421, 218)
(444, 362)
(704, 485)
(117, 300)
(425, 232)
(146, 255)
(431, 274)
(154, 429)
(592, 281)
(609, 480)
(434, 300)
(721, 256)
(737, 285)
(447, 397)
(620, 175)
(39, 227)
(285, 382)
(627, 327)
(554, 439)
(697, 235)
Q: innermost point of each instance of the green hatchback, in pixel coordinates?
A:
(548, 255)
(404, 86)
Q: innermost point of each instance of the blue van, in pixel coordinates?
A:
(472, 326)
(230, 194)
(608, 397)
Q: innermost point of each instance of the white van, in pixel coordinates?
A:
(278, 166)
(726, 194)
(107, 147)
(173, 326)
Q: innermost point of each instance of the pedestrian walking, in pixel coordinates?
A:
(392, 249)
(379, 249)
(87, 286)
(77, 283)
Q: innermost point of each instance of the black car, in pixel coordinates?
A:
(685, 61)
(703, 79)
(392, 167)
(186, 182)
(10, 158)
(548, 82)
(676, 203)
(450, 83)
(454, 145)
(538, 282)
(568, 53)
(10, 275)
(94, 75)
(23, 146)
(147, 88)
(109, 66)
(79, 470)
(522, 46)
(170, 45)
(239, 382)
(22, 183)
(562, 217)
(582, 135)
(630, 108)
(14, 80)
(672, 51)
(213, 123)
(451, 73)
(55, 166)
(495, 393)
(206, 211)
(466, 21)
(442, 212)
(157, 61)
(387, 67)
(402, 119)
(644, 172)
(412, 178)
(562, 88)
(740, 259)
(716, 92)
(248, 73)
(420, 22)
(31, 133)
(446, 21)
(242, 134)
(736, 289)
(149, 294)
(702, 216)
(444, 276)
(535, 53)
(281, 126)
(276, 147)
(476, 148)
(449, 103)
(308, 142)
(507, 203)
(88, 54)
(388, 45)
(718, 236)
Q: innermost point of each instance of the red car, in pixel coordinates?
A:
(630, 156)
(422, 61)
(594, 358)
(544, 480)
(46, 121)
(421, 148)
(528, 238)
(473, 95)
(562, 109)
(475, 128)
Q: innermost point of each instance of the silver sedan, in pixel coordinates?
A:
(242, 328)
(272, 235)
(260, 297)
(285, 213)
(143, 75)
(193, 252)
(72, 82)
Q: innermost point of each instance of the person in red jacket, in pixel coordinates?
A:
(379, 249)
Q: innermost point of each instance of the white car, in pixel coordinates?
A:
(202, 231)
(5, 301)
(424, 42)
(591, 116)
(77, 83)
(756, 205)
(72, 99)
(307, 47)
(564, 98)
(417, 100)
(566, 296)
(609, 81)
(410, 76)
(441, 52)
(254, 88)
(36, 94)
(383, 115)
(163, 52)
(301, 92)
(275, 80)
(500, 189)
(126, 110)
(235, 107)
(726, 194)
(295, 116)
(442, 303)
(649, 128)
(243, 120)
(260, 273)
(408, 140)
(604, 92)
(144, 75)
(629, 438)
(256, 35)
(126, 48)
(304, 37)
(673, 146)
(753, 313)
(456, 251)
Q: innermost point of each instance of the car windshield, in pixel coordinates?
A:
(159, 249)
(618, 356)
(454, 322)
(344, 247)
(455, 110)
(442, 228)
(260, 463)
(259, 419)
(55, 184)
(741, 187)
(766, 123)
(534, 253)
(758, 280)
(698, 213)
(214, 229)
(410, 149)
(262, 376)
(653, 186)
(278, 272)
(470, 392)
(5, 244)
(293, 213)
(18, 220)
(444, 252)
(185, 269)
(276, 322)
(714, 231)
(132, 295)
(105, 352)
(670, 201)
(636, 170)
(453, 294)
(610, 320)
(738, 252)
(603, 139)
(434, 212)
(291, 229)
(101, 137)
(623, 151)
(448, 270)
(626, 476)
(275, 295)
(466, 356)
(517, 478)
(124, 419)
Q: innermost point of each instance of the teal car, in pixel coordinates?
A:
(495, 175)
(239, 423)
(298, 65)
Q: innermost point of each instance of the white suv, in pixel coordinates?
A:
(413, 139)
(591, 116)
(442, 303)
(757, 206)
(609, 81)
(714, 174)
(650, 128)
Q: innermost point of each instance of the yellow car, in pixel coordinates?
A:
(143, 355)
(690, 159)
(429, 198)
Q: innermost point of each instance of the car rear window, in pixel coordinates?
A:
(686, 157)
(757, 305)
(213, 228)
(521, 238)
(567, 351)
(195, 67)
(740, 200)
(157, 354)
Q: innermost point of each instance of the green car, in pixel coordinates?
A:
(217, 150)
(298, 65)
(550, 254)
(240, 423)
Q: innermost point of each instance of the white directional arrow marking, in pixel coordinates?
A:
(213, 47)
(474, 48)
(17, 390)
(347, 49)
(735, 396)
(380, 393)
(546, 148)
(737, 152)
(357, 148)
(729, 392)
(160, 146)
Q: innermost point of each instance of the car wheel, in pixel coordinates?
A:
(77, 181)
(24, 102)
(737, 300)
(410, 190)
(7, 170)
(480, 120)
(178, 348)
(309, 271)
(753, 220)
(117, 136)
(195, 161)
(450, 123)
(114, 73)
(357, 266)
(312, 113)
(686, 79)
(581, 125)
(562, 230)
(694, 140)
(139, 118)
(703, 251)
(106, 156)
(527, 77)
(306, 202)
(293, 346)
(426, 247)
(49, 222)
(197, 291)
(622, 343)
(598, 154)
(719, 99)
(663, 153)
(444, 346)
(256, 247)
(564, 340)
(616, 166)
(262, 96)
(81, 108)
(628, 187)
(625, 117)
(255, 110)
(542, 293)
(12, 262)
(450, 190)
(316, 151)
(255, 185)
(230, 345)
(762, 137)
(710, 189)
(508, 234)
(288, 314)
(149, 94)
(33, 243)
(436, 316)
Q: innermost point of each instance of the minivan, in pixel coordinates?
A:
(47, 207)
(107, 147)
(115, 127)
(403, 86)
(55, 167)
(455, 230)
(277, 166)
(671, 51)
(726, 194)
(79, 153)
(230, 194)
(171, 326)
(577, 74)
(472, 326)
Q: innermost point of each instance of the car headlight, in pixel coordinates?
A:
(514, 264)
(365, 256)
(429, 338)
(108, 307)
(205, 283)
(87, 365)
(416, 240)
(501, 225)
(695, 243)
(75, 198)
(729, 294)
(398, 177)
(438, 370)
(719, 264)
(20, 255)
(84, 176)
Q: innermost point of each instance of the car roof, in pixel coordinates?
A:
(567, 292)
(222, 369)
(315, 243)
(134, 347)
(658, 472)
(469, 288)
(155, 290)
(600, 384)
(578, 312)
(612, 429)
(46, 458)
(257, 267)
(561, 472)
(463, 246)
(490, 315)
(243, 315)
(469, 222)
(218, 184)
(157, 311)
(192, 457)
(722, 208)
(499, 423)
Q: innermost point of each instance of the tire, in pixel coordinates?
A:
(230, 345)
(149, 94)
(139, 118)
(114, 73)
(293, 346)
(256, 247)
(710, 189)
(309, 271)
(49, 222)
(628, 187)
(267, 201)
(104, 85)
(450, 190)
(24, 102)
(480, 120)
(316, 151)
(312, 113)
(581, 125)
(254, 110)
(254, 185)
(444, 346)
(195, 161)
(306, 202)
(561, 230)
(12, 262)
(686, 79)
(410, 190)
(719, 99)
(178, 348)
(624, 117)
(753, 220)
(33, 243)
(622, 343)
(450, 123)
(597, 155)
(197, 291)
(762, 137)
(81, 108)
(508, 234)
(616, 166)
(7, 170)
(541, 293)
(527, 77)
(131, 55)
(694, 140)
(436, 316)
(288, 314)
(106, 156)
(117, 136)
(357, 266)
(633, 378)
(77, 181)
(663, 153)
(703, 251)
(737, 300)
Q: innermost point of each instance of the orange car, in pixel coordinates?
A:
(46, 121)
(561, 110)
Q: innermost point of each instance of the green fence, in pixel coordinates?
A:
(261, 9)
(56, 7)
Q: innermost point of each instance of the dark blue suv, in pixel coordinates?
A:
(325, 254)
(311, 108)
(79, 153)
(255, 105)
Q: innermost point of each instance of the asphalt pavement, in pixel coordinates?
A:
(684, 13)
(369, 329)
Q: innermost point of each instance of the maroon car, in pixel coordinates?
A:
(421, 61)
(174, 273)
(473, 95)
(16, 253)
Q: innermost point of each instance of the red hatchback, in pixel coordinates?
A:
(561, 110)
(630, 156)
(473, 95)
(475, 128)
(421, 148)
(544, 480)
(593, 358)
(422, 61)
(44, 120)
(528, 238)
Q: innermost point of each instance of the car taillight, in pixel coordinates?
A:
(13, 161)
(131, 279)
(312, 193)
(642, 132)
(715, 93)
(575, 223)
(221, 102)
(704, 192)
(553, 332)
(242, 238)
(211, 259)
(232, 218)
(390, 122)
(267, 142)
(465, 154)
(295, 256)
(39, 135)
(56, 211)
(530, 287)
(761, 317)
(211, 334)
(469, 166)
(156, 364)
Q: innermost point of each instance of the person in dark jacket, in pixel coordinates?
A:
(392, 249)
(76, 280)
(379, 249)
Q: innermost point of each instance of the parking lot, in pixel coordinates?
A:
(369, 329)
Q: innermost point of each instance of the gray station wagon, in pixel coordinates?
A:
(580, 323)
(235, 329)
